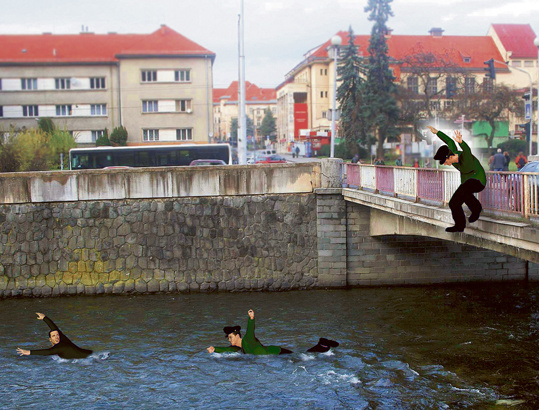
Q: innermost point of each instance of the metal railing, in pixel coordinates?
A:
(515, 193)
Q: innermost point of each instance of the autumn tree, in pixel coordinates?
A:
(268, 126)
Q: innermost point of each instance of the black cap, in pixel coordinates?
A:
(443, 153)
(231, 329)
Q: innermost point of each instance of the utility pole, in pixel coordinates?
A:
(242, 121)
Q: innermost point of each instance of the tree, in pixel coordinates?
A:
(268, 126)
(103, 140)
(60, 142)
(32, 147)
(118, 136)
(380, 106)
(492, 105)
(46, 125)
(234, 128)
(9, 158)
(349, 94)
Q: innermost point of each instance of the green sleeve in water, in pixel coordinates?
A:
(227, 349)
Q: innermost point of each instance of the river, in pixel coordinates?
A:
(470, 346)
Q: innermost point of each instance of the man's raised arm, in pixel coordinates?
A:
(49, 322)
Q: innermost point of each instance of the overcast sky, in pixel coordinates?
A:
(277, 33)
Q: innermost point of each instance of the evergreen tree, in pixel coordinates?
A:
(234, 128)
(381, 112)
(118, 136)
(103, 140)
(268, 126)
(349, 94)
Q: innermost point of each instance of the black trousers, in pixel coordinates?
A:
(465, 195)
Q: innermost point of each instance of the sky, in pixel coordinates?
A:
(277, 33)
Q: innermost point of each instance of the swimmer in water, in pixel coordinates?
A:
(61, 345)
(249, 344)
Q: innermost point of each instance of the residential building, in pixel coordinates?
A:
(306, 95)
(225, 107)
(158, 85)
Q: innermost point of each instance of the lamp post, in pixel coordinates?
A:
(335, 42)
(536, 42)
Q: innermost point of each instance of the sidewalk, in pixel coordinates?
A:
(301, 158)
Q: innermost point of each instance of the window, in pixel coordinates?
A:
(325, 71)
(528, 63)
(184, 134)
(97, 134)
(97, 83)
(63, 110)
(324, 114)
(150, 135)
(412, 83)
(469, 85)
(448, 104)
(98, 109)
(1, 111)
(183, 105)
(432, 86)
(62, 83)
(450, 87)
(29, 83)
(30, 111)
(435, 105)
(150, 106)
(0, 83)
(516, 63)
(321, 94)
(321, 71)
(182, 76)
(488, 84)
(149, 76)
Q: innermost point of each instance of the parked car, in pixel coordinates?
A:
(270, 159)
(198, 162)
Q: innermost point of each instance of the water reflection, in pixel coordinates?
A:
(433, 347)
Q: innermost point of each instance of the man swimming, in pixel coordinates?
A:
(61, 345)
(249, 344)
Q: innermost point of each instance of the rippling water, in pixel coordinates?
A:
(401, 348)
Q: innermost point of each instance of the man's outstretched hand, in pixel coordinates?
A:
(251, 314)
(23, 352)
(432, 129)
(458, 136)
(40, 316)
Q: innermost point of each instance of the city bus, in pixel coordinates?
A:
(147, 155)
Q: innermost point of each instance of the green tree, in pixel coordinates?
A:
(103, 140)
(46, 125)
(351, 68)
(118, 136)
(234, 128)
(60, 142)
(268, 126)
(32, 147)
(9, 158)
(380, 111)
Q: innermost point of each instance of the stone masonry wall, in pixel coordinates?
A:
(265, 242)
(398, 260)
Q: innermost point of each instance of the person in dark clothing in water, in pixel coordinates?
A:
(61, 345)
(249, 344)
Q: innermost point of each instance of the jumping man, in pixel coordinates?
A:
(472, 177)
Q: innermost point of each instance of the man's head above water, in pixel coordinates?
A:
(54, 337)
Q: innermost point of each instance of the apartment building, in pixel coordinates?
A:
(306, 95)
(225, 107)
(158, 85)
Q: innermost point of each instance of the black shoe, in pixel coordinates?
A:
(454, 229)
(474, 216)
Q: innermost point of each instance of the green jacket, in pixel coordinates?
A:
(468, 165)
(250, 344)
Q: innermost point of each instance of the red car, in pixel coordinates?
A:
(270, 159)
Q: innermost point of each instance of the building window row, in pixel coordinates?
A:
(412, 84)
(181, 134)
(61, 110)
(166, 106)
(48, 84)
(166, 76)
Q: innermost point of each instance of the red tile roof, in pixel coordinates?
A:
(253, 93)
(478, 48)
(89, 47)
(518, 39)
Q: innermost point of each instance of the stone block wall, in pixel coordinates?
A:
(264, 242)
(407, 260)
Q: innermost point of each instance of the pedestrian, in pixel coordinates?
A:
(398, 162)
(428, 164)
(491, 161)
(376, 161)
(521, 160)
(355, 159)
(472, 177)
(416, 163)
(507, 161)
(297, 151)
(499, 161)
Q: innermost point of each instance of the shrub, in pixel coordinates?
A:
(118, 136)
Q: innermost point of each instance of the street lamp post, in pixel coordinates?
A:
(335, 42)
(536, 42)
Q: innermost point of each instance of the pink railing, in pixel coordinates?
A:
(505, 192)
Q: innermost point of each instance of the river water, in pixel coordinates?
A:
(419, 347)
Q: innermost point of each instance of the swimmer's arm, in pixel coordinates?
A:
(23, 352)
(41, 352)
(50, 323)
(223, 349)
(250, 332)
